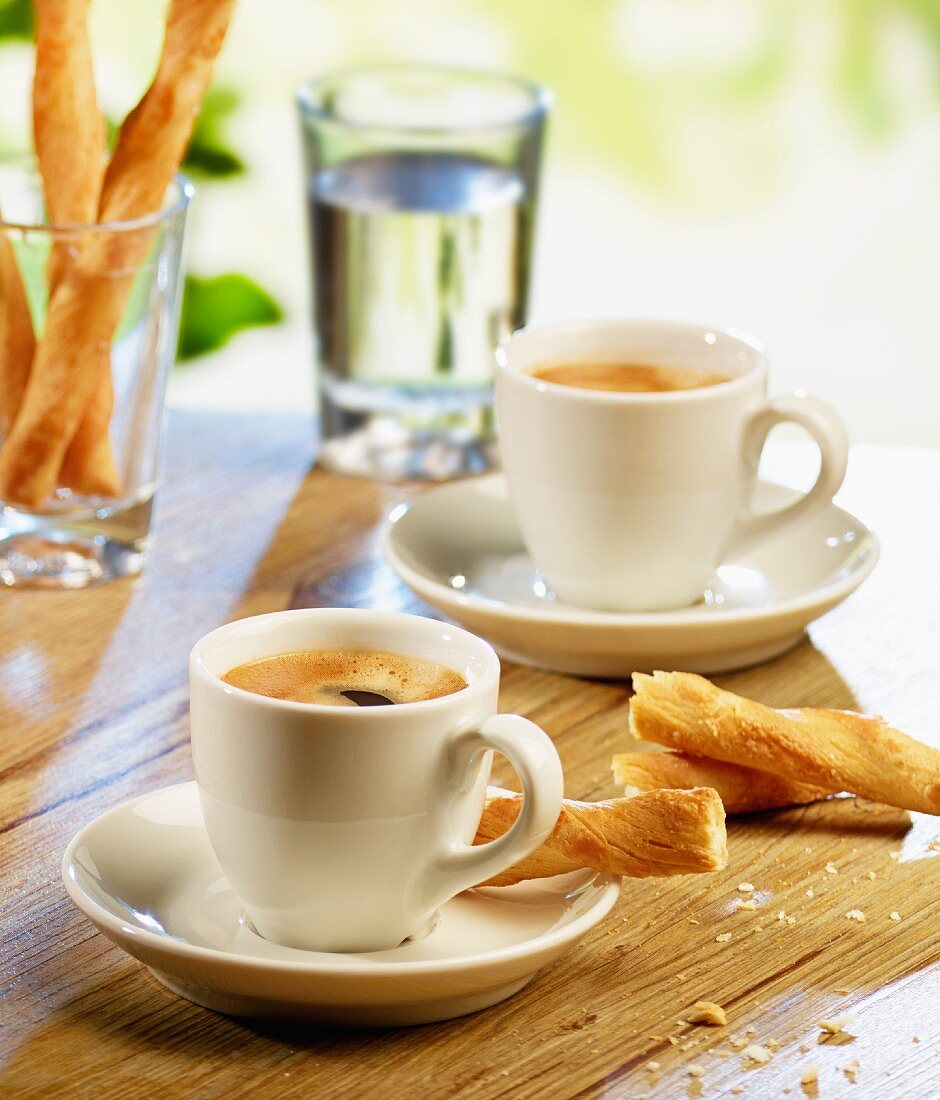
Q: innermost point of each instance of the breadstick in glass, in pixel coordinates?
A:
(68, 127)
(17, 341)
(70, 137)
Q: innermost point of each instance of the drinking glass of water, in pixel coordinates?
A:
(421, 187)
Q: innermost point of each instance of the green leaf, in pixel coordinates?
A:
(208, 154)
(214, 310)
(16, 19)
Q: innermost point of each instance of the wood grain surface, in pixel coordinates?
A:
(93, 711)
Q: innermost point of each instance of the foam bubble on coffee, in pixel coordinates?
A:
(346, 677)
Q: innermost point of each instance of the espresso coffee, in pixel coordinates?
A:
(629, 377)
(346, 678)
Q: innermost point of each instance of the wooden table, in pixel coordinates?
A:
(94, 712)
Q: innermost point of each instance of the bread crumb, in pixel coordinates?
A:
(740, 904)
(723, 937)
(831, 868)
(895, 855)
(804, 1049)
(834, 1025)
(672, 1040)
(737, 1090)
(850, 1070)
(651, 1066)
(894, 915)
(934, 845)
(855, 914)
(810, 893)
(757, 1054)
(746, 887)
(916, 1039)
(737, 1042)
(870, 874)
(843, 992)
(680, 977)
(722, 1053)
(692, 920)
(696, 1071)
(810, 1075)
(709, 1013)
(750, 1031)
(773, 1044)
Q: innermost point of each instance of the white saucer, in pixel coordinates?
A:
(459, 549)
(145, 874)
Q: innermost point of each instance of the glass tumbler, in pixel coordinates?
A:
(88, 319)
(421, 187)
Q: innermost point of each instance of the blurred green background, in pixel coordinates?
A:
(768, 164)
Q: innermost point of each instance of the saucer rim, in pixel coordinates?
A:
(103, 918)
(568, 615)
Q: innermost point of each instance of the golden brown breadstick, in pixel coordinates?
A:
(68, 127)
(742, 790)
(656, 834)
(87, 306)
(88, 466)
(69, 132)
(155, 134)
(149, 150)
(17, 342)
(833, 749)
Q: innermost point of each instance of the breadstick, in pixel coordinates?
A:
(832, 749)
(86, 309)
(656, 834)
(69, 132)
(17, 342)
(149, 150)
(742, 790)
(155, 134)
(68, 127)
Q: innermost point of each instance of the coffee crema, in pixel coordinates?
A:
(346, 678)
(629, 377)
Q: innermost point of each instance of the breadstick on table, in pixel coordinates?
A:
(70, 137)
(656, 834)
(833, 749)
(88, 304)
(742, 790)
(17, 341)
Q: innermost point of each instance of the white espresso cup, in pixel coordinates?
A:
(629, 501)
(345, 828)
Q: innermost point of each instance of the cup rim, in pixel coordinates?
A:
(477, 646)
(178, 205)
(540, 99)
(607, 397)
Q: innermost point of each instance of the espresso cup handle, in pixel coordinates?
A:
(535, 760)
(828, 432)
